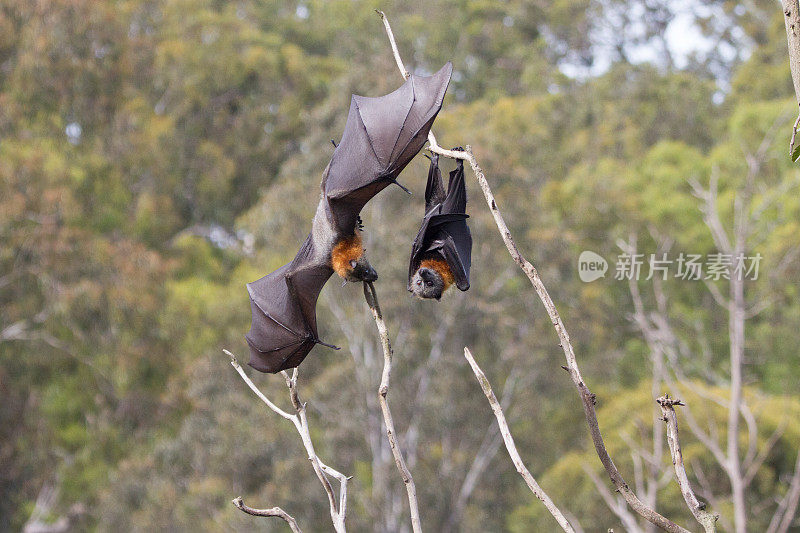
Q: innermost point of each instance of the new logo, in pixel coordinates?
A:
(591, 266)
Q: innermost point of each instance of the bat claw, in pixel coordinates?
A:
(402, 186)
(326, 344)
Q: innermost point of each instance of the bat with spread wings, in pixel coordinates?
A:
(441, 253)
(380, 138)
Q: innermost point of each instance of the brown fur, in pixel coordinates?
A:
(440, 266)
(344, 251)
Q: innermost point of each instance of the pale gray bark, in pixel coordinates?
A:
(338, 509)
(703, 517)
(383, 390)
(791, 19)
(508, 439)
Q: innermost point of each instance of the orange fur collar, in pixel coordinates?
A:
(344, 251)
(440, 266)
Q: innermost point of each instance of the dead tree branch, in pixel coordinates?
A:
(395, 51)
(787, 507)
(587, 397)
(791, 18)
(372, 301)
(703, 517)
(274, 511)
(616, 503)
(338, 510)
(505, 431)
(530, 271)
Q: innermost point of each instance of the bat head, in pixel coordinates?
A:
(361, 270)
(350, 262)
(432, 278)
(427, 283)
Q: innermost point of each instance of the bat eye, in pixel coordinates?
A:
(353, 263)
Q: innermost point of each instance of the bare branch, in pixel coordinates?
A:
(794, 135)
(708, 493)
(587, 397)
(784, 516)
(512, 448)
(752, 467)
(406, 74)
(615, 504)
(530, 271)
(274, 511)
(372, 301)
(235, 364)
(710, 211)
(715, 292)
(300, 421)
(791, 12)
(703, 517)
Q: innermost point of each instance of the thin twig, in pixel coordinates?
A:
(372, 301)
(274, 511)
(794, 136)
(338, 511)
(703, 517)
(615, 503)
(512, 448)
(395, 51)
(791, 12)
(784, 515)
(752, 468)
(586, 395)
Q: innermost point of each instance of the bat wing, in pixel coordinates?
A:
(380, 138)
(434, 190)
(283, 306)
(457, 251)
(456, 200)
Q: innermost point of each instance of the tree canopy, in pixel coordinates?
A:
(148, 153)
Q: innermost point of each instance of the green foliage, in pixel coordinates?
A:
(135, 133)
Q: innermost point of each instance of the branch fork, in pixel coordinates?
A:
(706, 519)
(587, 397)
(338, 509)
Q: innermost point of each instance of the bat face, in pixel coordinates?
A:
(350, 262)
(360, 270)
(427, 283)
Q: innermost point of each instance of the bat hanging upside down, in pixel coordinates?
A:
(380, 138)
(441, 253)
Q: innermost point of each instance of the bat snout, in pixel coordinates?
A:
(369, 274)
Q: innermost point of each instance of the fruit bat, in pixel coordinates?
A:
(441, 253)
(380, 138)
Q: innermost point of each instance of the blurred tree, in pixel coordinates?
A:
(147, 148)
